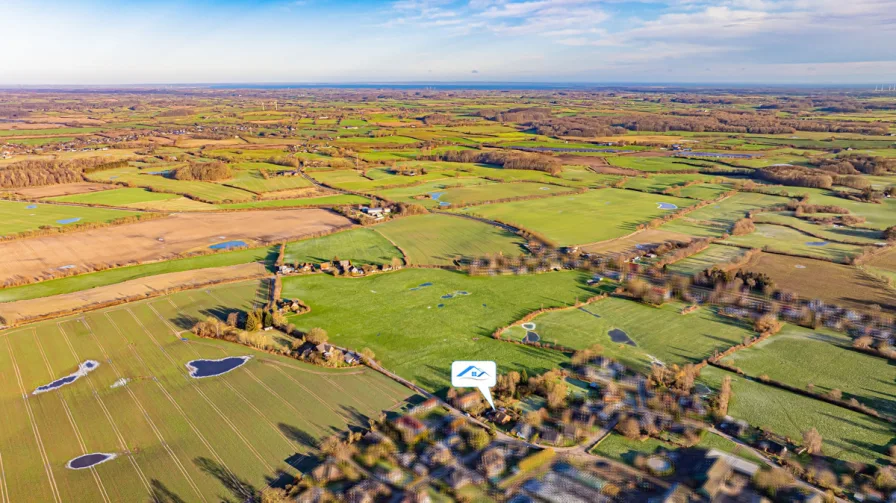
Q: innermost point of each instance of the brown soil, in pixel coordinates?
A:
(159, 239)
(817, 279)
(65, 189)
(630, 242)
(20, 310)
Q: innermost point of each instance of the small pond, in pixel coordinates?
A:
(621, 337)
(65, 221)
(88, 460)
(531, 337)
(817, 243)
(227, 245)
(31, 207)
(421, 285)
(666, 206)
(210, 368)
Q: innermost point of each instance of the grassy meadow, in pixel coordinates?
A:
(20, 216)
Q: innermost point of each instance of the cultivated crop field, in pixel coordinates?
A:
(656, 334)
(404, 318)
(23, 216)
(159, 239)
(440, 239)
(596, 215)
(715, 255)
(203, 191)
(175, 437)
(818, 279)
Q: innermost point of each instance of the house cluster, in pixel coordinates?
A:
(586, 482)
(376, 213)
(338, 268)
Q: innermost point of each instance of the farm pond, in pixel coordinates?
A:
(210, 368)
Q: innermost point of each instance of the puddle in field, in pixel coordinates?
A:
(83, 369)
(88, 460)
(422, 285)
(666, 206)
(531, 337)
(65, 221)
(31, 207)
(210, 368)
(621, 337)
(227, 245)
(817, 243)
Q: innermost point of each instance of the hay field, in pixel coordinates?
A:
(116, 197)
(414, 337)
(715, 255)
(16, 216)
(816, 279)
(205, 191)
(596, 215)
(716, 219)
(439, 239)
(177, 438)
(14, 312)
(140, 242)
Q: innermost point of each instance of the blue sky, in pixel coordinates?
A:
(722, 41)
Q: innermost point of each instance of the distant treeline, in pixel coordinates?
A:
(797, 176)
(37, 173)
(716, 121)
(508, 160)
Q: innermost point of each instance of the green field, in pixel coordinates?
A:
(715, 255)
(439, 239)
(799, 356)
(416, 338)
(334, 200)
(847, 435)
(177, 438)
(361, 246)
(619, 448)
(786, 240)
(115, 197)
(828, 232)
(122, 274)
(18, 217)
(474, 190)
(596, 215)
(205, 191)
(659, 333)
(716, 219)
(650, 164)
(247, 176)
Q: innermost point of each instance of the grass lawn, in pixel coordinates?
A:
(18, 217)
(847, 435)
(596, 215)
(829, 232)
(657, 163)
(661, 333)
(716, 219)
(113, 276)
(185, 436)
(403, 323)
(712, 256)
(361, 246)
(786, 240)
(799, 356)
(474, 190)
(439, 239)
(115, 197)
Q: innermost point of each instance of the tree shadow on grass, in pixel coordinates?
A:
(241, 489)
(298, 436)
(159, 493)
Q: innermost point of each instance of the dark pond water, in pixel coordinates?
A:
(621, 337)
(448, 296)
(88, 460)
(68, 220)
(228, 245)
(422, 285)
(210, 368)
(817, 243)
(82, 371)
(531, 337)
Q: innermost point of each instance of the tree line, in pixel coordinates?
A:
(507, 160)
(204, 171)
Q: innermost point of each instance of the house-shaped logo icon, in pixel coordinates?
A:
(473, 372)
